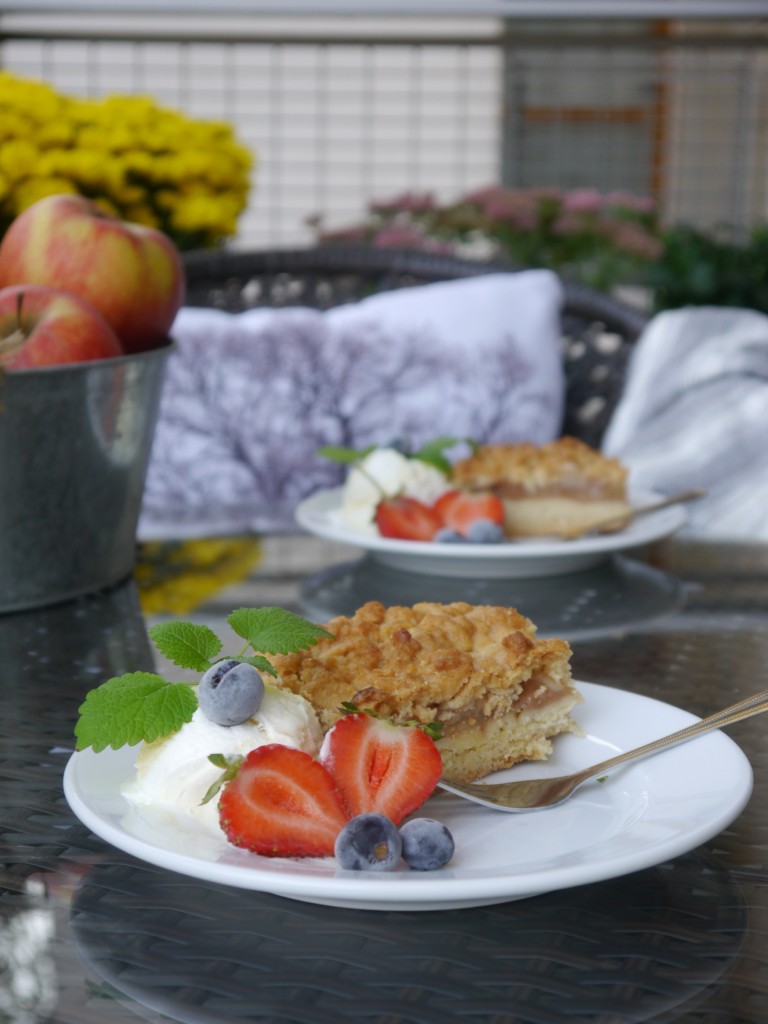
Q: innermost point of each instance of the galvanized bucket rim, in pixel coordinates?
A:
(160, 350)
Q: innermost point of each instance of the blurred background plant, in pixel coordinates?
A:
(143, 162)
(707, 269)
(604, 240)
(600, 239)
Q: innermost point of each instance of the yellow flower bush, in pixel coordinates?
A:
(143, 162)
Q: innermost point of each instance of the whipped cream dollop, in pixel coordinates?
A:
(174, 772)
(384, 473)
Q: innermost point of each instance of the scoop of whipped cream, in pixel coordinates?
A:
(383, 473)
(174, 772)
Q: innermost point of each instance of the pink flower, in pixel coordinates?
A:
(633, 239)
(583, 200)
(568, 224)
(480, 196)
(408, 202)
(348, 236)
(640, 204)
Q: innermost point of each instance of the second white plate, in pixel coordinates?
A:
(536, 557)
(642, 815)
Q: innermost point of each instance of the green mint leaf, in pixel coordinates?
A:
(345, 455)
(433, 729)
(260, 664)
(275, 630)
(230, 766)
(186, 644)
(433, 452)
(133, 707)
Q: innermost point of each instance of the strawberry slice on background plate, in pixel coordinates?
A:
(404, 518)
(381, 767)
(282, 803)
(459, 509)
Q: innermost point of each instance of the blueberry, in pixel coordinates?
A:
(369, 842)
(230, 692)
(448, 536)
(484, 531)
(400, 444)
(427, 844)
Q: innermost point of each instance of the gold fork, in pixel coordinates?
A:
(537, 794)
(620, 521)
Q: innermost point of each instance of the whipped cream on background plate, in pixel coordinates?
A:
(174, 772)
(394, 473)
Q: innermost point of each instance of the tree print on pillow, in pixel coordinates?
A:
(248, 401)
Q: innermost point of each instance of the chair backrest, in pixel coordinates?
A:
(597, 331)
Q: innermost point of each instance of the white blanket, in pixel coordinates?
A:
(249, 398)
(695, 414)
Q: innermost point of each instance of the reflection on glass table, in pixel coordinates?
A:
(205, 954)
(616, 594)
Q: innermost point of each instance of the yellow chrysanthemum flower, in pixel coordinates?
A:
(144, 162)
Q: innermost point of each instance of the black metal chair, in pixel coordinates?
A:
(597, 331)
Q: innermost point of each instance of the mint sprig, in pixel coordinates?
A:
(275, 630)
(133, 707)
(433, 452)
(346, 456)
(433, 729)
(186, 644)
(230, 765)
(143, 706)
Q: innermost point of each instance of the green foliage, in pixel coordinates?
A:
(598, 239)
(699, 269)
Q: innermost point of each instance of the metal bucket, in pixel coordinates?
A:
(74, 449)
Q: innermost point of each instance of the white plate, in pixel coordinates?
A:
(534, 557)
(644, 814)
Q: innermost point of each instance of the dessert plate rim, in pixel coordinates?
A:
(643, 815)
(527, 556)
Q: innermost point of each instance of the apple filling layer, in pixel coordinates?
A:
(499, 692)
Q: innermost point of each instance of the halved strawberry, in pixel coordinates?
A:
(282, 803)
(381, 767)
(407, 519)
(459, 509)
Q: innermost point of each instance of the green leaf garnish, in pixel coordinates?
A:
(260, 664)
(230, 765)
(186, 644)
(133, 707)
(433, 729)
(346, 456)
(275, 630)
(433, 452)
(144, 706)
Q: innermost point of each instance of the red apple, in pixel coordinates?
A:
(42, 326)
(130, 273)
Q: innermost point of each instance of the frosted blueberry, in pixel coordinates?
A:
(446, 535)
(427, 844)
(484, 531)
(369, 842)
(230, 692)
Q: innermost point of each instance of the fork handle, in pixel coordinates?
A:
(754, 705)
